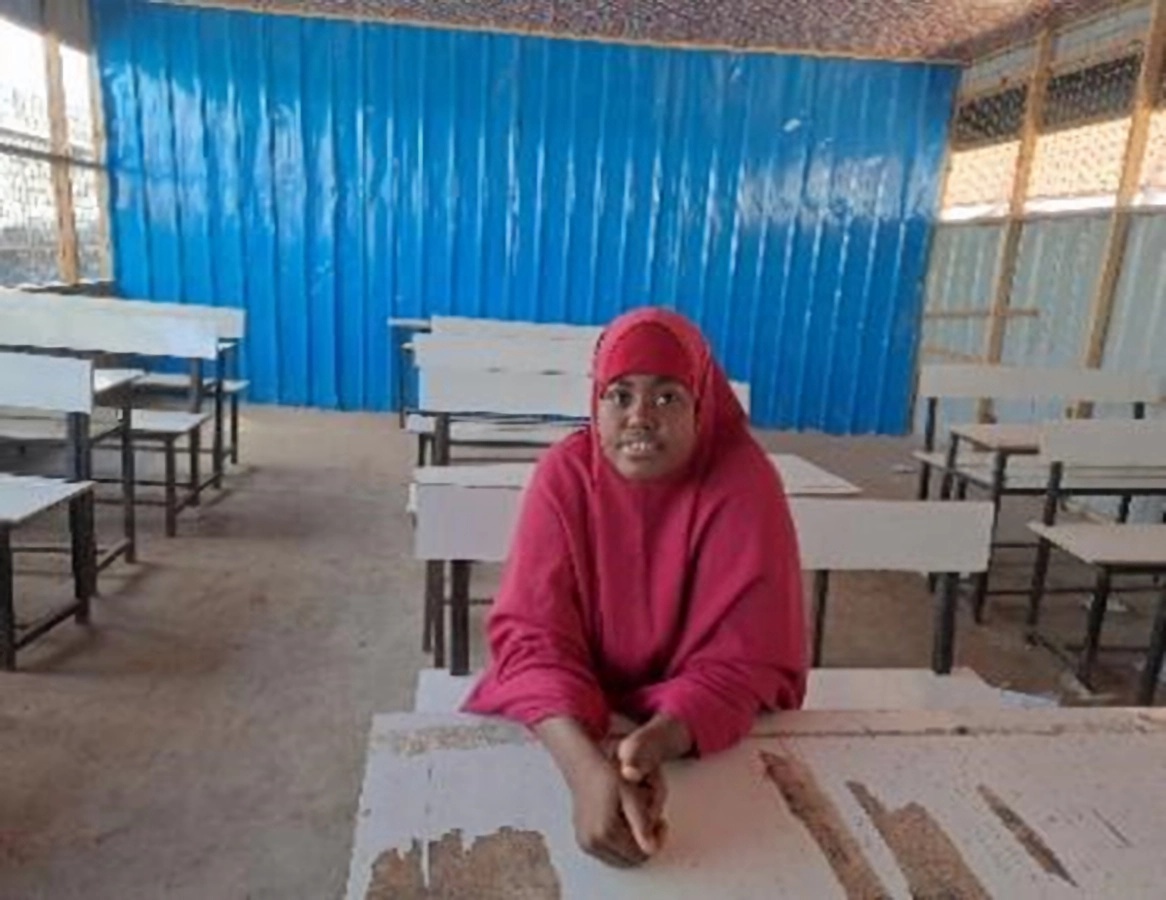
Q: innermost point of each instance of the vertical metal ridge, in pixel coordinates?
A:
(516, 177)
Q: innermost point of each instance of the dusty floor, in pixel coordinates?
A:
(205, 738)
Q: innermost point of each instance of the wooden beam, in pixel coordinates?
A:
(1101, 309)
(1010, 242)
(1034, 106)
(101, 176)
(1024, 312)
(950, 355)
(68, 265)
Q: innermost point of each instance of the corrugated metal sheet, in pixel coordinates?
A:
(1056, 274)
(1137, 332)
(327, 175)
(961, 276)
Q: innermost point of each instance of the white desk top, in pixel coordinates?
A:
(409, 323)
(487, 475)
(1109, 544)
(801, 477)
(106, 380)
(22, 497)
(498, 432)
(972, 804)
(1023, 437)
(871, 689)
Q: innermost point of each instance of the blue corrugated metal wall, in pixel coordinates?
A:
(326, 175)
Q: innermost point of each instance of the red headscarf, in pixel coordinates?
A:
(682, 596)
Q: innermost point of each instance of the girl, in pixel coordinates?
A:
(654, 573)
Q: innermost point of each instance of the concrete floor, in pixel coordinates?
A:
(205, 737)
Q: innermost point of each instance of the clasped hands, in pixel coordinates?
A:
(619, 799)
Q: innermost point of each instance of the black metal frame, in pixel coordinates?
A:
(83, 548)
(459, 602)
(194, 483)
(943, 625)
(1055, 492)
(79, 444)
(436, 449)
(997, 489)
(404, 334)
(221, 448)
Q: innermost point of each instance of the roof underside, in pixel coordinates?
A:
(953, 30)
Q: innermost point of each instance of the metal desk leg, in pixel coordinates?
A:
(195, 468)
(7, 607)
(171, 487)
(821, 592)
(434, 611)
(1036, 592)
(128, 478)
(923, 490)
(980, 597)
(459, 663)
(439, 453)
(943, 642)
(1093, 629)
(1157, 650)
(399, 349)
(84, 553)
(949, 465)
(220, 375)
(235, 428)
(195, 394)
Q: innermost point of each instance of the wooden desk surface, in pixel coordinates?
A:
(975, 804)
(106, 380)
(801, 477)
(23, 497)
(1023, 437)
(1136, 544)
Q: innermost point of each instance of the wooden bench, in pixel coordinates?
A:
(939, 382)
(1092, 459)
(51, 401)
(527, 403)
(460, 525)
(90, 330)
(22, 499)
(404, 331)
(1000, 462)
(440, 692)
(55, 389)
(466, 325)
(228, 323)
(950, 540)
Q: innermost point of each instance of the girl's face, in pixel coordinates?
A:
(647, 426)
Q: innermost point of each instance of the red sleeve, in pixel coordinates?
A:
(541, 663)
(746, 646)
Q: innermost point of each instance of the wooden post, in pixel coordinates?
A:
(68, 265)
(1101, 310)
(1034, 106)
(100, 175)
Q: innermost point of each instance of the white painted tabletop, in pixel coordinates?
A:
(823, 805)
(22, 497)
(801, 477)
(1014, 437)
(440, 692)
(1109, 544)
(106, 380)
(409, 323)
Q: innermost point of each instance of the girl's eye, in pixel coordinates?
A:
(666, 399)
(620, 398)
